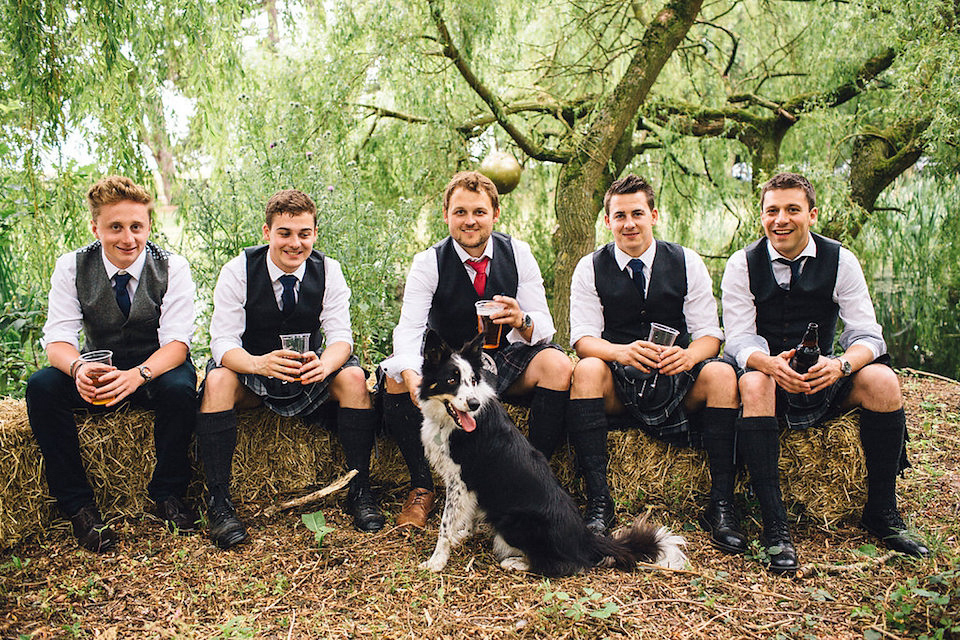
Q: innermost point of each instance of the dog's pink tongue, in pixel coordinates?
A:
(469, 424)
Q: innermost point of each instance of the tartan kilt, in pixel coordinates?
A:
(658, 411)
(511, 361)
(289, 399)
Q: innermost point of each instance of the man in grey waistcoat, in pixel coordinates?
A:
(135, 299)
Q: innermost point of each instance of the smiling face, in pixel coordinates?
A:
(786, 219)
(631, 220)
(122, 228)
(470, 217)
(291, 239)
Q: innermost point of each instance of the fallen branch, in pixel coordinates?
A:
(336, 485)
(918, 372)
(813, 568)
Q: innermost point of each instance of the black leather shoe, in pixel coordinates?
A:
(720, 519)
(177, 516)
(226, 530)
(782, 557)
(599, 516)
(887, 525)
(91, 532)
(362, 505)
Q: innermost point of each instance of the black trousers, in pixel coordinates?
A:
(52, 398)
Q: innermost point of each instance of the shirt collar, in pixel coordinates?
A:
(134, 270)
(809, 251)
(276, 272)
(646, 257)
(464, 256)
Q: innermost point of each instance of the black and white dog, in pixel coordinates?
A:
(491, 471)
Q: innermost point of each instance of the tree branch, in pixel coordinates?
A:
(496, 106)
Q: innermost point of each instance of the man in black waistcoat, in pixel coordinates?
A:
(678, 394)
(130, 297)
(474, 263)
(772, 290)
(283, 287)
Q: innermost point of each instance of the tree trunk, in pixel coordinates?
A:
(585, 179)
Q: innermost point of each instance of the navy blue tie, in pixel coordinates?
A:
(288, 299)
(636, 265)
(123, 296)
(794, 268)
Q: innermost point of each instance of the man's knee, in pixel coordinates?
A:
(757, 389)
(553, 369)
(394, 387)
(178, 385)
(45, 383)
(590, 377)
(349, 388)
(220, 390)
(877, 387)
(719, 380)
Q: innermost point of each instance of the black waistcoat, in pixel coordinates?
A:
(452, 312)
(133, 338)
(626, 316)
(783, 315)
(265, 321)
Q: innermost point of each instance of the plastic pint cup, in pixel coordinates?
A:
(299, 342)
(485, 324)
(102, 357)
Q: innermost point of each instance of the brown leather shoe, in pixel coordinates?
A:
(416, 509)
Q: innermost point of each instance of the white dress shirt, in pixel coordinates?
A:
(699, 305)
(850, 292)
(65, 318)
(230, 295)
(422, 283)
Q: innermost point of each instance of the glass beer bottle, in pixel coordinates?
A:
(808, 351)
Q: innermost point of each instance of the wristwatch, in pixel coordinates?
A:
(145, 373)
(845, 368)
(527, 322)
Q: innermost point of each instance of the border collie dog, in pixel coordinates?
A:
(492, 472)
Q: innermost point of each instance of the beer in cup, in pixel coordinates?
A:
(299, 342)
(102, 357)
(486, 325)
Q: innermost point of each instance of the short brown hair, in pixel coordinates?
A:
(629, 183)
(290, 202)
(789, 180)
(114, 189)
(472, 181)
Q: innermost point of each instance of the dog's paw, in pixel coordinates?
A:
(434, 564)
(515, 563)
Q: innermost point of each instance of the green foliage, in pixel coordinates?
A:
(317, 523)
(928, 607)
(590, 604)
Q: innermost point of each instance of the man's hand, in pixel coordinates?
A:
(313, 370)
(120, 384)
(282, 364)
(511, 315)
(778, 367)
(412, 381)
(85, 375)
(641, 354)
(674, 360)
(823, 374)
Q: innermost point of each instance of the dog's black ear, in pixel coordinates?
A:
(474, 347)
(433, 348)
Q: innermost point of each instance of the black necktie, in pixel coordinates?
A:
(636, 265)
(794, 268)
(123, 296)
(288, 298)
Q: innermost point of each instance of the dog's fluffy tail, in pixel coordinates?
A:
(642, 542)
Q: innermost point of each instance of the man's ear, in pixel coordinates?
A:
(434, 348)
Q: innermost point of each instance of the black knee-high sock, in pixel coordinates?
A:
(217, 440)
(403, 420)
(357, 429)
(719, 436)
(881, 435)
(759, 441)
(548, 410)
(587, 425)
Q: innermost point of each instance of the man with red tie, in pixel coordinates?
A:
(474, 263)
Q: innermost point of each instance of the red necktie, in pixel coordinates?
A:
(480, 281)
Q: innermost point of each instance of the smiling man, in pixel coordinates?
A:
(678, 394)
(772, 290)
(131, 297)
(473, 263)
(284, 286)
